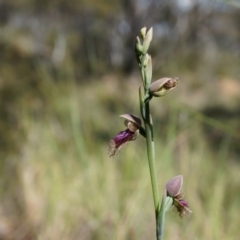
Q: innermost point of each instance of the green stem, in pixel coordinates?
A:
(161, 218)
(144, 99)
(151, 162)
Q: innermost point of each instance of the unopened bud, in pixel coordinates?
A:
(147, 40)
(162, 86)
(174, 186)
(143, 32)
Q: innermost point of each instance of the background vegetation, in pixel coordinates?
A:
(67, 70)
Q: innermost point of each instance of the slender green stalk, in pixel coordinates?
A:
(151, 154)
(145, 108)
(145, 65)
(148, 90)
(151, 162)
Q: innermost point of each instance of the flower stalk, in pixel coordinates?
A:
(145, 65)
(149, 90)
(151, 157)
(173, 194)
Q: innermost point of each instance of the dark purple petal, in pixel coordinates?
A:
(119, 140)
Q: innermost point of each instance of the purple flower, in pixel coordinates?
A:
(174, 190)
(133, 124)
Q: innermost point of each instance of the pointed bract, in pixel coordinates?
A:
(149, 71)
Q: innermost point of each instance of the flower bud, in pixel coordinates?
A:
(174, 186)
(143, 32)
(147, 40)
(162, 86)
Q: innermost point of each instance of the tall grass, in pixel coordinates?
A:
(70, 189)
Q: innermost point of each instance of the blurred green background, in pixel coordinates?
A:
(67, 70)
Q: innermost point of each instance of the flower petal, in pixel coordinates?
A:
(119, 140)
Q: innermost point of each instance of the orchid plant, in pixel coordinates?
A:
(172, 194)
